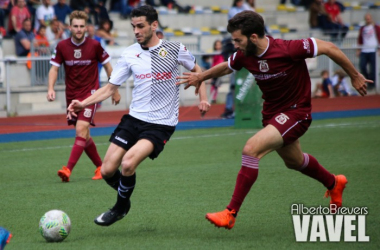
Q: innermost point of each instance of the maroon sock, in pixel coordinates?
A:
(313, 169)
(245, 179)
(76, 152)
(92, 152)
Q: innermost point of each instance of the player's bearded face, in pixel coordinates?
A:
(78, 29)
(147, 36)
(250, 49)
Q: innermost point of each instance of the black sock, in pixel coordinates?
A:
(125, 190)
(114, 180)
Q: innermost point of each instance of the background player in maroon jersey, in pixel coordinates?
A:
(80, 57)
(281, 73)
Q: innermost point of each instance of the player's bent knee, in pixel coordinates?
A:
(128, 168)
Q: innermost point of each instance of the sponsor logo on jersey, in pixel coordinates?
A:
(78, 62)
(306, 45)
(87, 113)
(282, 118)
(264, 67)
(157, 76)
(77, 53)
(104, 53)
(138, 55)
(54, 54)
(162, 53)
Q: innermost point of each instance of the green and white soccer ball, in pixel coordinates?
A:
(55, 226)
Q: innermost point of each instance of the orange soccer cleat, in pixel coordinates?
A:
(224, 218)
(336, 193)
(98, 175)
(64, 173)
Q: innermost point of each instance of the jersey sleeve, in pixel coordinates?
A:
(102, 55)
(185, 58)
(56, 56)
(302, 49)
(235, 61)
(121, 72)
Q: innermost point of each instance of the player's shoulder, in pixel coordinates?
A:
(172, 44)
(132, 50)
(91, 41)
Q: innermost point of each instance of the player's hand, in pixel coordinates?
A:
(359, 83)
(50, 95)
(204, 106)
(192, 79)
(116, 98)
(74, 107)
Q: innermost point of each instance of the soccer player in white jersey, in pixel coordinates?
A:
(153, 111)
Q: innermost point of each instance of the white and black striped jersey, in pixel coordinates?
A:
(155, 96)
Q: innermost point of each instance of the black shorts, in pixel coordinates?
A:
(130, 130)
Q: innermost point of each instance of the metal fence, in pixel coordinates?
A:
(40, 65)
(39, 70)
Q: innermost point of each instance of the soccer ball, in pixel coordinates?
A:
(55, 225)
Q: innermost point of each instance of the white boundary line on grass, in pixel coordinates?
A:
(330, 125)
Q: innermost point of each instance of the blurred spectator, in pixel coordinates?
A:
(61, 10)
(249, 5)
(5, 6)
(91, 34)
(24, 38)
(101, 13)
(369, 39)
(160, 34)
(237, 7)
(81, 4)
(126, 7)
(104, 31)
(216, 59)
(41, 39)
(317, 15)
(333, 11)
(16, 17)
(30, 4)
(44, 14)
(325, 88)
(55, 32)
(172, 4)
(340, 85)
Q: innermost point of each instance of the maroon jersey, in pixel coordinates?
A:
(281, 74)
(81, 66)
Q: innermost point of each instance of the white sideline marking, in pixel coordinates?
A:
(330, 125)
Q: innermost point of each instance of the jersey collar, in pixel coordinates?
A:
(265, 49)
(153, 47)
(78, 44)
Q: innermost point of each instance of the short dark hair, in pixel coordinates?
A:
(248, 22)
(146, 10)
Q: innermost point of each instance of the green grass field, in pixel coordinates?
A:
(194, 175)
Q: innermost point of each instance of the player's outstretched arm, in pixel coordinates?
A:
(53, 74)
(116, 96)
(196, 79)
(329, 49)
(203, 105)
(99, 95)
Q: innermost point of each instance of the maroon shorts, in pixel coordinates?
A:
(87, 114)
(292, 124)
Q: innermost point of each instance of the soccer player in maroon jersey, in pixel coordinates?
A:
(80, 57)
(281, 73)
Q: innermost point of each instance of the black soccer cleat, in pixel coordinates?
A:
(111, 216)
